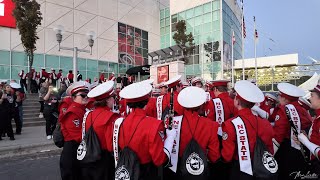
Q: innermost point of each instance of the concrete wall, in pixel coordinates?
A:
(81, 16)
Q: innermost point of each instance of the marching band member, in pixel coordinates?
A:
(194, 129)
(312, 142)
(23, 80)
(157, 108)
(289, 110)
(240, 134)
(304, 103)
(71, 130)
(137, 127)
(197, 81)
(53, 77)
(102, 119)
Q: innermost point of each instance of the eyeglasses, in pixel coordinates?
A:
(82, 95)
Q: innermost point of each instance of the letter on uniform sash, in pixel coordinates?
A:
(218, 106)
(115, 138)
(175, 149)
(296, 121)
(243, 146)
(208, 96)
(159, 107)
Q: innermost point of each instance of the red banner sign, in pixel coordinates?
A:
(6, 17)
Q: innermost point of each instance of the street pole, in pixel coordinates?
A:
(75, 57)
(232, 61)
(255, 51)
(242, 44)
(75, 50)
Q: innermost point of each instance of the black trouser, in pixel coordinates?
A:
(54, 82)
(101, 170)
(41, 106)
(69, 165)
(23, 83)
(34, 88)
(15, 115)
(71, 81)
(51, 120)
(5, 124)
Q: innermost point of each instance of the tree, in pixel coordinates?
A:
(28, 18)
(184, 39)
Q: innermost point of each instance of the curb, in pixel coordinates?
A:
(16, 151)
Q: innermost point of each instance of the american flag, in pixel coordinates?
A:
(256, 34)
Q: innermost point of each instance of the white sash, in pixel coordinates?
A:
(159, 107)
(218, 106)
(82, 148)
(208, 96)
(115, 138)
(176, 143)
(84, 123)
(296, 121)
(243, 146)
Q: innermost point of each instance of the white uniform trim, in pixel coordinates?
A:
(296, 121)
(176, 143)
(159, 107)
(218, 106)
(243, 146)
(115, 138)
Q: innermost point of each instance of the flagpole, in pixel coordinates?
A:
(232, 61)
(255, 50)
(242, 44)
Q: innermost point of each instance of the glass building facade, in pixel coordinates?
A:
(11, 63)
(212, 33)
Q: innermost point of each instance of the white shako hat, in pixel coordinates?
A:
(94, 85)
(248, 92)
(15, 85)
(161, 85)
(196, 80)
(77, 87)
(191, 97)
(102, 91)
(148, 81)
(173, 81)
(136, 92)
(289, 91)
(271, 97)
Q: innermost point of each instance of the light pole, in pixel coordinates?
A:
(272, 71)
(91, 35)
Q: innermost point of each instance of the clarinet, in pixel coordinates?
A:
(169, 119)
(295, 132)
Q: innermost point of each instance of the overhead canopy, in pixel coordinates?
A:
(144, 70)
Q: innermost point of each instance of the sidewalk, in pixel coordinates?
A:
(32, 140)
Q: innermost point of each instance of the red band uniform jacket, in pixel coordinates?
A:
(147, 141)
(229, 150)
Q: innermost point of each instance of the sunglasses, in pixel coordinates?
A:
(82, 95)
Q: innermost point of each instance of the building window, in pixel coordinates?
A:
(132, 41)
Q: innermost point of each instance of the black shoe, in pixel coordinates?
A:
(12, 138)
(18, 133)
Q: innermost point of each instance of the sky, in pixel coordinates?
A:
(293, 25)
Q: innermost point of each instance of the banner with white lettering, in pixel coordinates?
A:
(175, 148)
(159, 107)
(115, 138)
(218, 106)
(297, 123)
(243, 146)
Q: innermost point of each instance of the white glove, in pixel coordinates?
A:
(261, 113)
(314, 149)
(168, 143)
